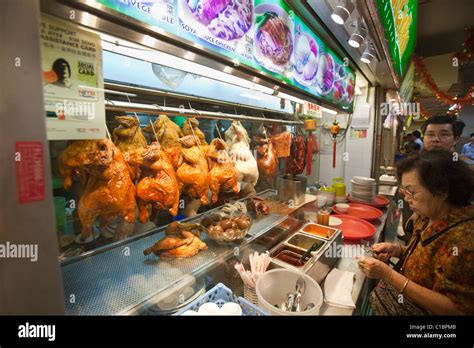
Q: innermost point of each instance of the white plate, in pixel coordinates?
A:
(362, 179)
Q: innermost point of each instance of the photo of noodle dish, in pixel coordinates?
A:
(325, 74)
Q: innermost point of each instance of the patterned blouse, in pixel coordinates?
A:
(445, 265)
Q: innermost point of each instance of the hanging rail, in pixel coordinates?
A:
(158, 110)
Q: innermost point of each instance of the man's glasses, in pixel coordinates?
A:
(442, 135)
(407, 193)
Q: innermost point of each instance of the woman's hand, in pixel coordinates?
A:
(384, 251)
(373, 268)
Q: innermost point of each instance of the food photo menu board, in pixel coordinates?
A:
(263, 34)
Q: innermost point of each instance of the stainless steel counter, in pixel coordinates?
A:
(350, 264)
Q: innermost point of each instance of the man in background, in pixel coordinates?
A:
(468, 150)
(417, 139)
(441, 133)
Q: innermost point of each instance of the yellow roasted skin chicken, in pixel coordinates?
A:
(158, 185)
(109, 190)
(222, 172)
(190, 127)
(167, 132)
(192, 169)
(128, 135)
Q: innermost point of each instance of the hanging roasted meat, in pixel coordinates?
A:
(281, 144)
(109, 191)
(190, 127)
(238, 145)
(222, 173)
(128, 135)
(267, 160)
(297, 160)
(71, 159)
(167, 131)
(158, 185)
(193, 171)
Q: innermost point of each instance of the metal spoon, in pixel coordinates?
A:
(300, 289)
(290, 300)
(300, 286)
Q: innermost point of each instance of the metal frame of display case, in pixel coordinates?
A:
(95, 265)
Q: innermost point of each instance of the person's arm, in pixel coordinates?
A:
(430, 300)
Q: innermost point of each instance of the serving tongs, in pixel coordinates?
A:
(308, 252)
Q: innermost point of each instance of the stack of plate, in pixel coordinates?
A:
(363, 189)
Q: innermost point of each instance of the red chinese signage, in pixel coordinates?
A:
(30, 171)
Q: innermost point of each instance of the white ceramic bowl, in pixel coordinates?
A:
(342, 207)
(334, 221)
(209, 308)
(231, 308)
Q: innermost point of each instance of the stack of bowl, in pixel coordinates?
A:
(363, 189)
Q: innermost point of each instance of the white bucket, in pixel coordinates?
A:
(273, 286)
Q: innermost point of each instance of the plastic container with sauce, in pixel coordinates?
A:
(319, 230)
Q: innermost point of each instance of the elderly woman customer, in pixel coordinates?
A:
(435, 274)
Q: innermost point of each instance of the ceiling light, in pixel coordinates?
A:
(369, 53)
(359, 34)
(343, 11)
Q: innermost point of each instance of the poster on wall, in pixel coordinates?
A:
(223, 26)
(72, 81)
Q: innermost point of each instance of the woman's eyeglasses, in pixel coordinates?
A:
(407, 193)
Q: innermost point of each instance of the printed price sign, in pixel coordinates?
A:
(310, 109)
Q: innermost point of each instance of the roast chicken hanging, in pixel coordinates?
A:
(158, 186)
(193, 172)
(167, 131)
(109, 190)
(222, 172)
(190, 127)
(128, 135)
(238, 145)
